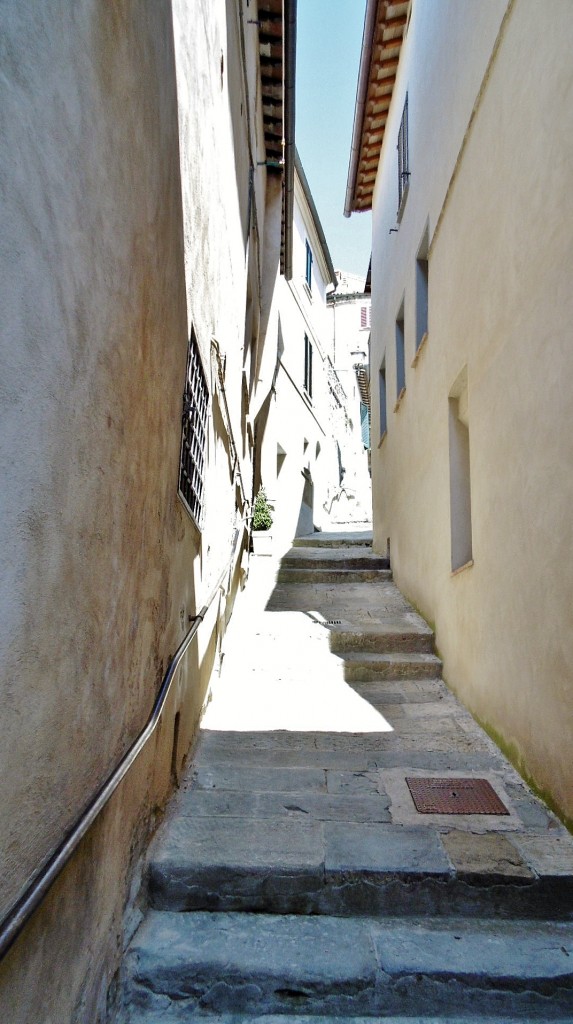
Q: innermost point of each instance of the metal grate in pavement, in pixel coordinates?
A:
(455, 796)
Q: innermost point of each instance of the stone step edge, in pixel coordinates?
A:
(288, 573)
(324, 542)
(178, 885)
(345, 639)
(393, 658)
(203, 1017)
(260, 963)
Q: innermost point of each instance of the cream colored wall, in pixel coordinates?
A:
(122, 227)
(500, 304)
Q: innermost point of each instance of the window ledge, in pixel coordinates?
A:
(382, 439)
(307, 290)
(418, 353)
(462, 568)
(399, 399)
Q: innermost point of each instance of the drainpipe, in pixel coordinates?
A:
(361, 92)
(289, 122)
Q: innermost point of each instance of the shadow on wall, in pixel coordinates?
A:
(305, 524)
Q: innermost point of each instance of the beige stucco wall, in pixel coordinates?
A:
(500, 305)
(123, 224)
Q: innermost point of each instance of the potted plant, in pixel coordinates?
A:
(262, 522)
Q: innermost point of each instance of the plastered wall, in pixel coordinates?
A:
(123, 225)
(491, 113)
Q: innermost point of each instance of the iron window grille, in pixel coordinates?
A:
(403, 155)
(308, 365)
(194, 434)
(308, 271)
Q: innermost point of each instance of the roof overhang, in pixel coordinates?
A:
(277, 56)
(384, 28)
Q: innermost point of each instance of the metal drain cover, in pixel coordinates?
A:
(455, 796)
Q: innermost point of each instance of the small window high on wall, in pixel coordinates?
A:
(308, 365)
(308, 271)
(403, 159)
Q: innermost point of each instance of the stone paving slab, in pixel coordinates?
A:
(315, 806)
(388, 756)
(276, 964)
(274, 780)
(380, 849)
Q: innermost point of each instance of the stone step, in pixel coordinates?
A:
(305, 862)
(334, 575)
(173, 1015)
(335, 558)
(334, 540)
(380, 639)
(364, 666)
(264, 964)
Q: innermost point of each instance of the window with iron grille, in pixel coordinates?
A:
(308, 365)
(308, 271)
(194, 434)
(364, 317)
(403, 155)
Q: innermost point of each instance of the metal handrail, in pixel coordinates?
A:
(34, 894)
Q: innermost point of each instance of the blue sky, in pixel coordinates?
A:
(328, 53)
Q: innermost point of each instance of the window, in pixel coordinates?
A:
(308, 365)
(400, 364)
(422, 291)
(460, 489)
(403, 158)
(194, 434)
(382, 399)
(308, 271)
(365, 317)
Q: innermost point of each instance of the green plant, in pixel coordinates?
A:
(262, 516)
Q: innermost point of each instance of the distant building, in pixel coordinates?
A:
(463, 148)
(350, 312)
(310, 462)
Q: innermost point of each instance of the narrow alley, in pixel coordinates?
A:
(347, 841)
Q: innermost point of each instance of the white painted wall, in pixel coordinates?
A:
(308, 440)
(491, 118)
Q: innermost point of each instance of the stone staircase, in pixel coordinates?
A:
(294, 881)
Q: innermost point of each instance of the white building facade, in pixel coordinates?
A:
(309, 452)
